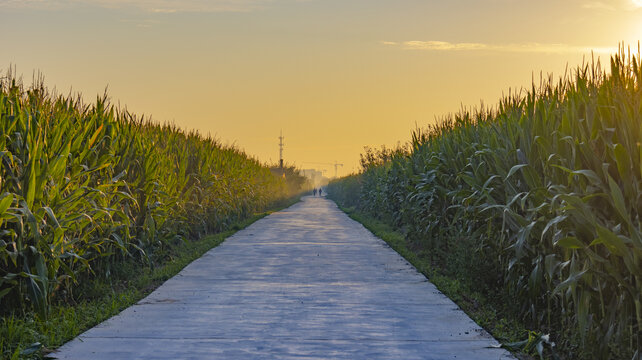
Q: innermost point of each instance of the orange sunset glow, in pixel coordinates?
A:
(334, 76)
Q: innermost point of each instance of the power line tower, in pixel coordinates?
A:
(281, 151)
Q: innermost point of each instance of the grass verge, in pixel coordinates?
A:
(28, 336)
(485, 312)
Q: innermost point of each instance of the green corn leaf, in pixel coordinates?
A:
(571, 280)
(31, 184)
(4, 292)
(570, 242)
(618, 200)
(5, 202)
(53, 218)
(513, 170)
(610, 240)
(622, 160)
(556, 220)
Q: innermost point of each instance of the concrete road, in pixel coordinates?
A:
(303, 283)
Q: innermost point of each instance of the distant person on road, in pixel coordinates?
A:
(314, 192)
(320, 191)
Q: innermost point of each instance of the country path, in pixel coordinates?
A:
(303, 283)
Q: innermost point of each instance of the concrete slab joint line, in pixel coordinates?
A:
(303, 283)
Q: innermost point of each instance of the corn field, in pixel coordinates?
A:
(82, 186)
(544, 191)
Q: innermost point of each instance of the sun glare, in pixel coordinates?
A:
(637, 3)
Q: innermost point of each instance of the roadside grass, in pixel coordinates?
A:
(488, 313)
(28, 336)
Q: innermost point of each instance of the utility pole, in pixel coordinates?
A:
(281, 152)
(336, 164)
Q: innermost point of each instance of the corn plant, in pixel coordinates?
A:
(84, 186)
(547, 189)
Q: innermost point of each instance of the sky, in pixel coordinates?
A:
(332, 75)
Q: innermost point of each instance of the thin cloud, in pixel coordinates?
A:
(164, 11)
(434, 45)
(443, 45)
(598, 5)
